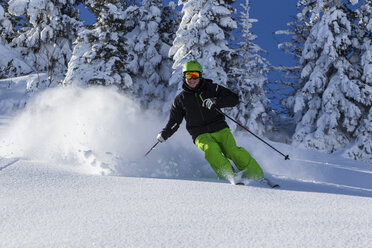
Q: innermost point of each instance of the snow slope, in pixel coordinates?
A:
(72, 174)
(44, 207)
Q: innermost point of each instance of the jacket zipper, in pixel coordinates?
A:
(200, 108)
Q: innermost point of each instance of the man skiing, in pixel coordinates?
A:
(208, 128)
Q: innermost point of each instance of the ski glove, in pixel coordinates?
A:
(209, 103)
(160, 138)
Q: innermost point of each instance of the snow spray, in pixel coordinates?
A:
(98, 131)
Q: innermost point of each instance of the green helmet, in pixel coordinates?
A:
(191, 65)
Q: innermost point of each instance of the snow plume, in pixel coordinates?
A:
(96, 131)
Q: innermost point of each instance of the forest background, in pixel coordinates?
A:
(317, 95)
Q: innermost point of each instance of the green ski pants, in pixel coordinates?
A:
(219, 147)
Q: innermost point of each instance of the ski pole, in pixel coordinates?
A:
(286, 157)
(152, 148)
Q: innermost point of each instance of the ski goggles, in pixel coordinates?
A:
(192, 75)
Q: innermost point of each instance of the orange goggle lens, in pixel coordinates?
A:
(192, 75)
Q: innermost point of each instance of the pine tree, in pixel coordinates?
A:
(299, 29)
(150, 64)
(128, 3)
(170, 21)
(329, 105)
(47, 43)
(362, 149)
(169, 24)
(7, 30)
(250, 74)
(11, 63)
(100, 55)
(203, 36)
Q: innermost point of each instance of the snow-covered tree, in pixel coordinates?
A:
(203, 36)
(6, 29)
(148, 48)
(11, 63)
(331, 102)
(6, 26)
(298, 31)
(362, 149)
(250, 75)
(128, 3)
(169, 24)
(100, 55)
(47, 43)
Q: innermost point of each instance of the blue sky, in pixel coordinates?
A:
(272, 15)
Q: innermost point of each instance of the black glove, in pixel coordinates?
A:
(160, 138)
(209, 103)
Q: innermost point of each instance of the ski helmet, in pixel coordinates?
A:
(191, 65)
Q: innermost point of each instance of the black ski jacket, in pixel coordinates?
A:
(199, 120)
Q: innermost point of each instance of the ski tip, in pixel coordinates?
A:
(263, 181)
(269, 183)
(239, 184)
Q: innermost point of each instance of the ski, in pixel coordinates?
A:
(265, 182)
(269, 183)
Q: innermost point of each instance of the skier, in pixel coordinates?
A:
(207, 127)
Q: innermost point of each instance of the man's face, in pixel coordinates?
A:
(192, 83)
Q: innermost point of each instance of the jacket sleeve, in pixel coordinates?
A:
(175, 119)
(225, 97)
